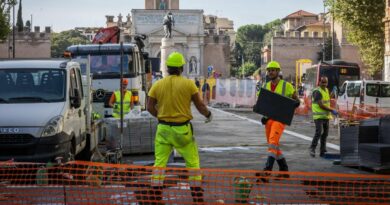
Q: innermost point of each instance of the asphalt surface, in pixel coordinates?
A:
(236, 140)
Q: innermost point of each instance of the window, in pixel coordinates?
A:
(385, 90)
(342, 89)
(73, 82)
(32, 85)
(353, 89)
(372, 90)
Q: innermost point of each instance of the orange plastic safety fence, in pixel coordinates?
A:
(360, 112)
(98, 183)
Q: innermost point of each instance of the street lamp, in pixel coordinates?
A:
(323, 36)
(13, 31)
(11, 3)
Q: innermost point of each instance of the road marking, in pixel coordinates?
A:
(294, 134)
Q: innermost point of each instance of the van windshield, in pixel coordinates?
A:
(32, 85)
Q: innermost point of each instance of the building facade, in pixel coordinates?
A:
(303, 37)
(205, 41)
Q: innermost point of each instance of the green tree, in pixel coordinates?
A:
(250, 38)
(363, 20)
(5, 26)
(247, 69)
(328, 51)
(19, 21)
(271, 28)
(28, 25)
(60, 41)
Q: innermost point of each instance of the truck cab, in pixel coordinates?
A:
(108, 62)
(43, 110)
(364, 98)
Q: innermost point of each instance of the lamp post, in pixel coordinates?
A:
(13, 31)
(323, 36)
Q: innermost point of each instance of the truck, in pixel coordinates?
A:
(106, 61)
(45, 111)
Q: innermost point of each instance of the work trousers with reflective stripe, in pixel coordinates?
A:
(274, 131)
(181, 138)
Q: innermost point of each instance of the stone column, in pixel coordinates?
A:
(167, 47)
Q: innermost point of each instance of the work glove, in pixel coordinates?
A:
(209, 118)
(264, 120)
(334, 112)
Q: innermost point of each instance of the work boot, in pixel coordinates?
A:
(283, 167)
(312, 152)
(268, 167)
(197, 194)
(322, 151)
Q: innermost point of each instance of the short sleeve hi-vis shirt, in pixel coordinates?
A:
(173, 94)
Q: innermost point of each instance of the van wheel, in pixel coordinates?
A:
(86, 153)
(70, 156)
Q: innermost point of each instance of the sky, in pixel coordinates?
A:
(64, 15)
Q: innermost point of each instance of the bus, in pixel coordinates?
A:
(105, 67)
(337, 72)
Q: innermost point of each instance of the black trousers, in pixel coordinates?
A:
(322, 129)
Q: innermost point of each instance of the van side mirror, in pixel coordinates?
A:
(75, 100)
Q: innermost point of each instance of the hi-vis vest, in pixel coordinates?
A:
(126, 104)
(318, 112)
(281, 88)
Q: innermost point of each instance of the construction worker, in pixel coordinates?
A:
(274, 129)
(115, 100)
(321, 114)
(170, 101)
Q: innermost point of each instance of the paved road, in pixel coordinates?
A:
(234, 143)
(302, 124)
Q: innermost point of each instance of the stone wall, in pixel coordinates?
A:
(217, 54)
(288, 50)
(28, 44)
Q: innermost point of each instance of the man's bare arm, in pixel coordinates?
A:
(200, 106)
(152, 106)
(324, 107)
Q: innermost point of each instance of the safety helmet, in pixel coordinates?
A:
(274, 65)
(125, 82)
(176, 60)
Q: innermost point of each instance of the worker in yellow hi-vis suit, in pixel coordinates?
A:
(170, 101)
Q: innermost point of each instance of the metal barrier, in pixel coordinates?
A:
(98, 183)
(236, 92)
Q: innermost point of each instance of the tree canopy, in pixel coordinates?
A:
(5, 27)
(247, 69)
(363, 20)
(250, 38)
(19, 21)
(60, 41)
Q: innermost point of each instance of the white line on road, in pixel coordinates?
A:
(294, 134)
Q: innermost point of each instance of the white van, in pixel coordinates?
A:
(43, 111)
(365, 97)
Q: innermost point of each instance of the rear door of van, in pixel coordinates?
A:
(384, 99)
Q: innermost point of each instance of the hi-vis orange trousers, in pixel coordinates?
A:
(274, 131)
